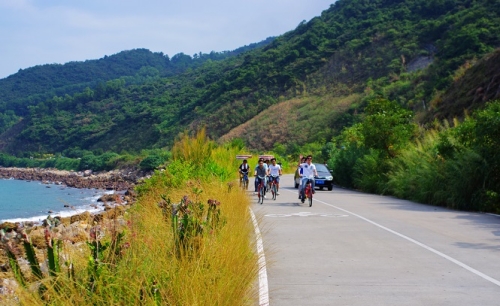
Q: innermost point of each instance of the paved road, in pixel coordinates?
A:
(351, 248)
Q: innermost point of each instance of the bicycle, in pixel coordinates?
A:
(268, 184)
(261, 189)
(244, 181)
(307, 193)
(274, 187)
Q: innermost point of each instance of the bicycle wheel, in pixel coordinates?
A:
(261, 194)
(274, 191)
(310, 194)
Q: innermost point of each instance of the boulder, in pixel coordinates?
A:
(37, 237)
(81, 217)
(109, 198)
(76, 234)
(98, 218)
(130, 193)
(65, 221)
(8, 226)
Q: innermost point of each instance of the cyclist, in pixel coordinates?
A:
(268, 179)
(308, 172)
(260, 171)
(275, 173)
(299, 171)
(243, 169)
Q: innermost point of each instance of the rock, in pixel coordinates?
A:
(81, 217)
(117, 180)
(98, 218)
(109, 198)
(37, 237)
(66, 221)
(75, 234)
(130, 193)
(114, 212)
(8, 226)
(107, 207)
(8, 287)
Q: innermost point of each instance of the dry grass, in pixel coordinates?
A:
(220, 269)
(283, 122)
(224, 268)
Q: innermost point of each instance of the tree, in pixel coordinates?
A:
(387, 126)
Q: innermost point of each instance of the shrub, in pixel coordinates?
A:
(418, 173)
(370, 172)
(343, 162)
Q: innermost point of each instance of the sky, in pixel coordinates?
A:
(37, 32)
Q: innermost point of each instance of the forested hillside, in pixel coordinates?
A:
(406, 51)
(41, 83)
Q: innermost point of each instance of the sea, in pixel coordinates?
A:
(22, 201)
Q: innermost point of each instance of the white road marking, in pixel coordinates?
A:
(453, 260)
(305, 214)
(263, 284)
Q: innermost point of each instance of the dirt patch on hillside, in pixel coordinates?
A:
(479, 84)
(293, 121)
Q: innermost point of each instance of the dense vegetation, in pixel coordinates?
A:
(371, 87)
(78, 160)
(456, 166)
(409, 60)
(37, 84)
(184, 243)
(353, 46)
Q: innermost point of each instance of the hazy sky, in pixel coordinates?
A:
(35, 32)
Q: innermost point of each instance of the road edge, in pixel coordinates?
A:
(263, 283)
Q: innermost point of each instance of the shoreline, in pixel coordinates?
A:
(115, 189)
(113, 180)
(92, 204)
(116, 195)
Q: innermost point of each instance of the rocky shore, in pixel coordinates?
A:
(74, 229)
(113, 180)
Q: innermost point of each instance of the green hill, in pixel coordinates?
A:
(407, 51)
(40, 83)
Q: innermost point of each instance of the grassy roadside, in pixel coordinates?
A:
(166, 252)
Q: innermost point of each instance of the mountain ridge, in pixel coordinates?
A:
(354, 47)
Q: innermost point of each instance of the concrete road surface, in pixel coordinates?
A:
(352, 248)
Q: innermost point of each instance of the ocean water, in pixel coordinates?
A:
(32, 201)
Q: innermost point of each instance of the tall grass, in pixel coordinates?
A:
(218, 268)
(455, 166)
(428, 173)
(418, 173)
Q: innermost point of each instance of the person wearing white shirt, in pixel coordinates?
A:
(275, 173)
(308, 172)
